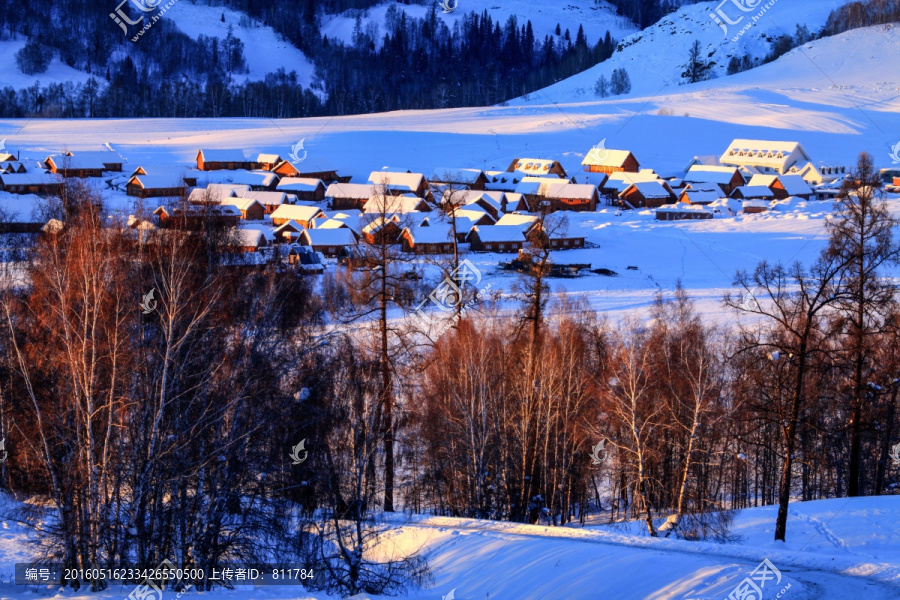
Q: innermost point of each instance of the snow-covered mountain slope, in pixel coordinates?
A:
(596, 18)
(656, 57)
(264, 49)
(57, 71)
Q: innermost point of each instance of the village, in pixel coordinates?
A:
(276, 207)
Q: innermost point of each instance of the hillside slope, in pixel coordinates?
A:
(656, 57)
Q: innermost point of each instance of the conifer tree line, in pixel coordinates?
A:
(176, 432)
(405, 63)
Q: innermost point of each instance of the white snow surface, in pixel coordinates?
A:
(836, 549)
(656, 57)
(264, 49)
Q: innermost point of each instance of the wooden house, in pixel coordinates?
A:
(602, 160)
(349, 196)
(755, 192)
(303, 215)
(767, 157)
(754, 206)
(329, 242)
(269, 200)
(42, 184)
(700, 196)
(328, 176)
(683, 212)
(380, 230)
(647, 194)
(248, 240)
(305, 188)
(783, 186)
(196, 217)
(155, 186)
(395, 205)
(497, 238)
(561, 196)
(267, 162)
(251, 210)
(434, 238)
(217, 160)
(88, 164)
(727, 178)
(397, 183)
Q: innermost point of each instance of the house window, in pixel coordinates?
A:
(503, 246)
(565, 242)
(330, 249)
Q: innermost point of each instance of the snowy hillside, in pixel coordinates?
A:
(656, 56)
(264, 49)
(596, 19)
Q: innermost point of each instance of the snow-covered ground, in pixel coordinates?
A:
(57, 71)
(656, 57)
(596, 17)
(265, 50)
(835, 96)
(836, 549)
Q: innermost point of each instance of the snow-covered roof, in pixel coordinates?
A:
(710, 174)
(762, 180)
(266, 198)
(220, 155)
(358, 191)
(701, 196)
(296, 212)
(795, 185)
(28, 178)
(774, 154)
(299, 184)
(241, 203)
(328, 237)
(272, 159)
(239, 177)
(650, 189)
(754, 191)
(568, 190)
(158, 181)
(247, 237)
(435, 233)
(601, 157)
(517, 220)
(500, 233)
(532, 166)
(397, 181)
(395, 204)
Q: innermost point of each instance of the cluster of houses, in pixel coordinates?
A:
(269, 200)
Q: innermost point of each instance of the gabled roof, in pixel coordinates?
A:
(517, 220)
(248, 237)
(710, 174)
(701, 196)
(272, 159)
(762, 180)
(649, 189)
(358, 191)
(238, 177)
(241, 203)
(753, 191)
(774, 154)
(397, 181)
(795, 185)
(299, 184)
(296, 212)
(580, 191)
(437, 233)
(600, 157)
(328, 237)
(499, 233)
